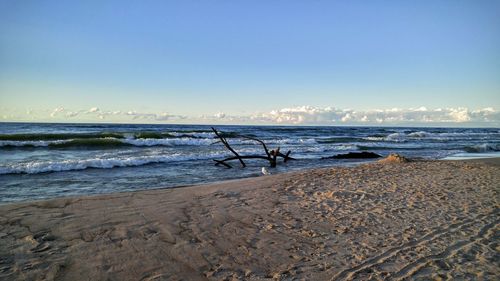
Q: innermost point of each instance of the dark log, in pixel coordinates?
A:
(274, 153)
(271, 156)
(226, 144)
(247, 157)
(221, 162)
(287, 156)
(243, 157)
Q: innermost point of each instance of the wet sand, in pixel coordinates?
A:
(417, 220)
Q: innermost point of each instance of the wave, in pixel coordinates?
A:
(159, 135)
(432, 136)
(97, 163)
(96, 142)
(388, 147)
(478, 148)
(167, 142)
(54, 137)
(339, 140)
(485, 147)
(193, 135)
(72, 136)
(346, 147)
(397, 137)
(419, 134)
(291, 141)
(30, 143)
(110, 160)
(141, 142)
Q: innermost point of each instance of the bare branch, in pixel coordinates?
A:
(286, 156)
(271, 156)
(219, 162)
(226, 144)
(245, 157)
(261, 142)
(274, 153)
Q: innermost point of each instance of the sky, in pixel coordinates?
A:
(251, 62)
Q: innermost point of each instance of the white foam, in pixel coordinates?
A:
(196, 135)
(31, 143)
(484, 147)
(466, 156)
(401, 137)
(396, 137)
(346, 147)
(374, 138)
(291, 141)
(36, 167)
(420, 134)
(168, 142)
(207, 141)
(171, 142)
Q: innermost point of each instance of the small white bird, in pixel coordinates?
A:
(265, 171)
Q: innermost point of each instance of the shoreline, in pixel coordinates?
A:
(491, 160)
(322, 223)
(345, 165)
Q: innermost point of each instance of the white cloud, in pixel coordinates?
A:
(97, 114)
(330, 115)
(220, 115)
(459, 114)
(151, 116)
(72, 114)
(300, 115)
(56, 111)
(165, 116)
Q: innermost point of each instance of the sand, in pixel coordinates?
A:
(416, 220)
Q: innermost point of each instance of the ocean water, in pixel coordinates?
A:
(39, 161)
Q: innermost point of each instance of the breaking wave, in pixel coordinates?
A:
(54, 137)
(422, 135)
(97, 163)
(339, 140)
(485, 147)
(35, 143)
(388, 147)
(110, 142)
(167, 142)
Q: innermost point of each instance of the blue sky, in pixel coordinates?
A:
(240, 61)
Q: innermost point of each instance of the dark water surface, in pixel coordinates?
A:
(50, 160)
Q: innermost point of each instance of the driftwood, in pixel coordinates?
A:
(271, 155)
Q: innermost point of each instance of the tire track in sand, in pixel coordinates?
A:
(449, 251)
(380, 259)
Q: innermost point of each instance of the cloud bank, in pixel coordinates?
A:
(310, 115)
(95, 112)
(300, 115)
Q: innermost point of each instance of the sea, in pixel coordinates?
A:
(40, 161)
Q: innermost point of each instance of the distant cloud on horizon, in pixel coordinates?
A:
(330, 115)
(300, 115)
(98, 114)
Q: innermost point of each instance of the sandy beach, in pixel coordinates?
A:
(418, 220)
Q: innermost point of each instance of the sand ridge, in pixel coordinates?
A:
(416, 220)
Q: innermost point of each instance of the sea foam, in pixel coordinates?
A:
(99, 163)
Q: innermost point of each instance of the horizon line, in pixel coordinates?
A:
(417, 125)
